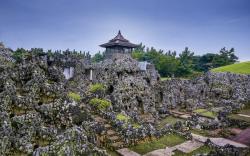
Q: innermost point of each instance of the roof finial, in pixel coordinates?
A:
(119, 32)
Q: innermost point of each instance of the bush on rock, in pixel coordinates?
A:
(74, 96)
(101, 104)
(98, 87)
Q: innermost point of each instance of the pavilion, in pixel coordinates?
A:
(118, 45)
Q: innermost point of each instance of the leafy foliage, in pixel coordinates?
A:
(21, 54)
(98, 57)
(122, 117)
(187, 64)
(98, 87)
(74, 96)
(136, 125)
(101, 104)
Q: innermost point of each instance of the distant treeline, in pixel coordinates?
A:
(20, 53)
(187, 64)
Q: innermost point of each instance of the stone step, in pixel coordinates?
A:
(177, 112)
(185, 116)
(107, 126)
(111, 132)
(159, 152)
(189, 146)
(100, 119)
(217, 141)
(199, 138)
(169, 151)
(117, 145)
(114, 139)
(127, 152)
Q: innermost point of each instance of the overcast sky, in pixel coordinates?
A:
(202, 25)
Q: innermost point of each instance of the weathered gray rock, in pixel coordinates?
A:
(37, 116)
(211, 89)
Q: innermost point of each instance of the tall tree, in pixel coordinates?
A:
(98, 57)
(186, 62)
(225, 57)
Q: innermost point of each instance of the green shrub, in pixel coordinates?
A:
(101, 104)
(74, 96)
(96, 87)
(136, 125)
(122, 117)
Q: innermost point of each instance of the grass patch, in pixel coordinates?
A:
(112, 153)
(165, 78)
(200, 132)
(245, 112)
(200, 110)
(238, 68)
(74, 96)
(169, 120)
(240, 118)
(167, 140)
(201, 150)
(205, 113)
(209, 114)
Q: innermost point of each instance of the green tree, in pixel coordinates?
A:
(205, 62)
(225, 57)
(98, 57)
(19, 54)
(186, 62)
(168, 66)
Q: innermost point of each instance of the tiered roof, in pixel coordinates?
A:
(119, 40)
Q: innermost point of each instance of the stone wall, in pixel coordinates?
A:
(211, 89)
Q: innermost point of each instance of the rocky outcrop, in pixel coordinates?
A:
(37, 115)
(5, 56)
(211, 89)
(128, 87)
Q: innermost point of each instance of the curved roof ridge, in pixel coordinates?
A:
(119, 37)
(120, 41)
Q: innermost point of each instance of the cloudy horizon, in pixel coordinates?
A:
(203, 26)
